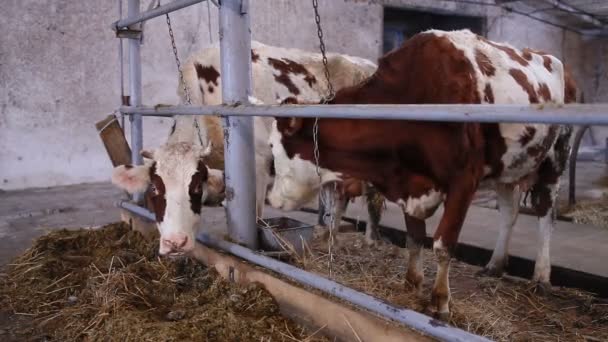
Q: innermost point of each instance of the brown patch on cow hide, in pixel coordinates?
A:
(157, 197)
(488, 94)
(547, 63)
(285, 67)
(525, 84)
(527, 53)
(195, 188)
(527, 136)
(484, 63)
(495, 148)
(518, 161)
(544, 92)
(128, 166)
(211, 89)
(254, 56)
(508, 50)
(539, 150)
(207, 73)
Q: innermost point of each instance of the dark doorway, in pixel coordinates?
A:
(400, 24)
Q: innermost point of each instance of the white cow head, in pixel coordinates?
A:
(296, 180)
(179, 182)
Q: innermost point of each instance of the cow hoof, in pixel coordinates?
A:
(541, 288)
(431, 311)
(443, 316)
(370, 242)
(495, 272)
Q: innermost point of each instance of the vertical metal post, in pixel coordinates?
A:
(239, 153)
(135, 92)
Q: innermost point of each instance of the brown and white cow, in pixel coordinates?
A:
(423, 164)
(186, 171)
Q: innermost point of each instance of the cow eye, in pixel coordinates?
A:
(153, 189)
(198, 189)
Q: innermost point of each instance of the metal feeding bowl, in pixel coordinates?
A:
(284, 234)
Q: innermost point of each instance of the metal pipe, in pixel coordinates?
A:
(577, 114)
(586, 17)
(135, 18)
(121, 64)
(409, 318)
(135, 93)
(239, 153)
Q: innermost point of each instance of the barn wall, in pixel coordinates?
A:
(59, 70)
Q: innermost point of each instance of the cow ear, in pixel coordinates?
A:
(132, 178)
(288, 100)
(203, 151)
(215, 183)
(147, 154)
(289, 126)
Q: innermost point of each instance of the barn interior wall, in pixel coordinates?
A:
(59, 70)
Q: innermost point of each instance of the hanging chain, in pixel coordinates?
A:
(182, 80)
(330, 88)
(315, 133)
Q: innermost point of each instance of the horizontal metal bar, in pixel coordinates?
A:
(153, 13)
(135, 209)
(576, 114)
(409, 318)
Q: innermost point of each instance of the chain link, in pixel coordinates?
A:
(182, 80)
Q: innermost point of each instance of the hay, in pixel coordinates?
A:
(108, 284)
(593, 212)
(504, 309)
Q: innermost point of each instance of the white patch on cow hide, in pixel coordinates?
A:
(296, 181)
(418, 207)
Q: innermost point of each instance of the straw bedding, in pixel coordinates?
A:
(506, 309)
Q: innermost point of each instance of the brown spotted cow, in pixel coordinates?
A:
(186, 171)
(421, 165)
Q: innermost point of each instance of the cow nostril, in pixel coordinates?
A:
(184, 242)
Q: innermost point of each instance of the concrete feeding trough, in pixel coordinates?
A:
(284, 234)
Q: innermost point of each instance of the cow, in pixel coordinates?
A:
(186, 171)
(420, 165)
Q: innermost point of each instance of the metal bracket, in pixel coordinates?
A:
(128, 33)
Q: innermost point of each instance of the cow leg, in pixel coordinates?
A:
(416, 233)
(458, 200)
(375, 203)
(508, 207)
(544, 195)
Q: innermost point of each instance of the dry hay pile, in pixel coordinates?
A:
(108, 284)
(593, 212)
(504, 309)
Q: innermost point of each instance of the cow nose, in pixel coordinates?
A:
(170, 246)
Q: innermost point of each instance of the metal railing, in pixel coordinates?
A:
(576, 114)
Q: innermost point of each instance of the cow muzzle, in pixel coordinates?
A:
(175, 245)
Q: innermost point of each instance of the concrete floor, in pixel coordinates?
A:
(27, 214)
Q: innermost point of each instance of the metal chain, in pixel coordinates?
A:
(315, 131)
(330, 87)
(182, 80)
